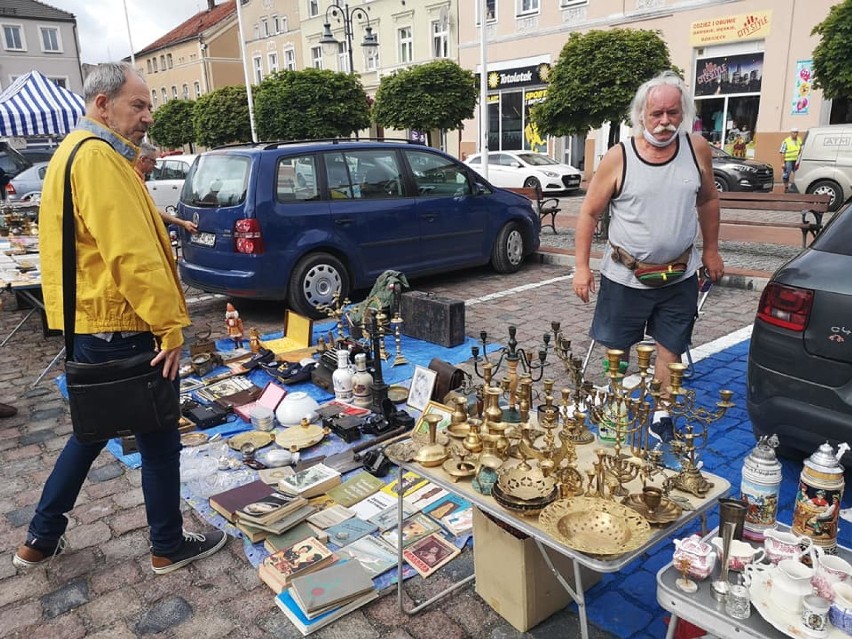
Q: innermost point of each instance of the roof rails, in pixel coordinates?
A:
(279, 143)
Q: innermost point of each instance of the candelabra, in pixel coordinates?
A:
(336, 311)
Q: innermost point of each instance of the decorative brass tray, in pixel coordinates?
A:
(665, 513)
(524, 508)
(525, 483)
(256, 438)
(595, 526)
(402, 451)
(298, 437)
(194, 438)
(397, 394)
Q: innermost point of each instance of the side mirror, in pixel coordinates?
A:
(515, 165)
(480, 189)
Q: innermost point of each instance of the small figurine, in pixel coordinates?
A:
(234, 324)
(254, 340)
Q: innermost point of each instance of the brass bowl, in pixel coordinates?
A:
(525, 482)
(459, 469)
(458, 431)
(595, 526)
(521, 507)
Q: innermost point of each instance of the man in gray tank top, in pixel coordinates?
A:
(659, 186)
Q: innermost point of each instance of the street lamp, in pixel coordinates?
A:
(330, 44)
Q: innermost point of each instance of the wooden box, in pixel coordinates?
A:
(296, 343)
(435, 319)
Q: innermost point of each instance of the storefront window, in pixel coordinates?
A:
(511, 121)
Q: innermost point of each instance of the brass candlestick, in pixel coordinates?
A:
(396, 323)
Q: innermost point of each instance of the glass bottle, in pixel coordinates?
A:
(341, 379)
(362, 383)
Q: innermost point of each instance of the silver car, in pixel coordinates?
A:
(27, 184)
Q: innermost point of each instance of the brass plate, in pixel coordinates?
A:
(299, 437)
(256, 438)
(666, 512)
(397, 394)
(194, 439)
(595, 526)
(402, 451)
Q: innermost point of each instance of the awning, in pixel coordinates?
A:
(34, 105)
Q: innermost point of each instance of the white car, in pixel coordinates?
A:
(166, 180)
(517, 169)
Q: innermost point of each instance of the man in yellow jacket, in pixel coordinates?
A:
(790, 148)
(129, 301)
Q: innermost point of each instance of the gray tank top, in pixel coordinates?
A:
(653, 214)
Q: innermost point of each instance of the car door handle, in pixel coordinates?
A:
(429, 217)
(343, 221)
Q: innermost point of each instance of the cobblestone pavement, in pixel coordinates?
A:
(103, 585)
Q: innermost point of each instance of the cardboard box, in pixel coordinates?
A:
(513, 578)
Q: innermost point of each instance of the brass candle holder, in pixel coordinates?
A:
(396, 325)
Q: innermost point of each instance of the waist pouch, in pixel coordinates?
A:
(119, 398)
(653, 275)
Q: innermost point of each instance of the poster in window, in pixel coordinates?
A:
(731, 74)
(802, 87)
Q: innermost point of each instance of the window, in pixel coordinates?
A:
(572, 3)
(164, 94)
(342, 58)
(62, 82)
(197, 87)
(316, 57)
(372, 59)
(264, 27)
(257, 32)
(375, 174)
(174, 92)
(276, 25)
(437, 176)
(440, 39)
(154, 97)
(154, 60)
(185, 92)
(13, 37)
(296, 181)
(257, 61)
(170, 61)
(490, 11)
(525, 7)
(290, 59)
(313, 8)
(149, 65)
(284, 27)
(273, 62)
(163, 62)
(406, 44)
(337, 175)
(50, 42)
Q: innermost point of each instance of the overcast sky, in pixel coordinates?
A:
(102, 28)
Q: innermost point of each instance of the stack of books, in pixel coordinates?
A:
(303, 557)
(310, 482)
(273, 514)
(325, 590)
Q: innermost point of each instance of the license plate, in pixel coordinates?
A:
(203, 239)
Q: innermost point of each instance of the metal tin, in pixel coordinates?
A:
(759, 488)
(817, 508)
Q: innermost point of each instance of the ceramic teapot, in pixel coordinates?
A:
(783, 545)
(828, 570)
(840, 613)
(701, 556)
(740, 554)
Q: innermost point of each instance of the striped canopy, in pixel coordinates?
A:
(34, 105)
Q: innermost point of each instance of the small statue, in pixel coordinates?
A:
(254, 340)
(234, 324)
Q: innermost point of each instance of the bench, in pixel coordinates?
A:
(545, 206)
(802, 203)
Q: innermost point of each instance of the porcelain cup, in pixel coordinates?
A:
(828, 570)
(783, 545)
(840, 613)
(815, 615)
(740, 553)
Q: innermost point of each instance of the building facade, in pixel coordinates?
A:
(273, 37)
(36, 36)
(196, 57)
(748, 63)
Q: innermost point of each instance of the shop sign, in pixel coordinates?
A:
(518, 77)
(802, 87)
(744, 26)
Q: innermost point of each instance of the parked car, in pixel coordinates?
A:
(11, 161)
(369, 207)
(800, 358)
(825, 163)
(166, 180)
(737, 174)
(516, 169)
(38, 154)
(27, 183)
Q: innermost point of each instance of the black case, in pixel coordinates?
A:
(435, 319)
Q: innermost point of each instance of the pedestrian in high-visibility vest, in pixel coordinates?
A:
(789, 150)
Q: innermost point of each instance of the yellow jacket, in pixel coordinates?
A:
(126, 274)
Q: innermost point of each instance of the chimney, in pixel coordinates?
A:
(211, 4)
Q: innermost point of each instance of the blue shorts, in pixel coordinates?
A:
(789, 165)
(623, 315)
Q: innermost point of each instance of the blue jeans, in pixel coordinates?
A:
(789, 165)
(160, 464)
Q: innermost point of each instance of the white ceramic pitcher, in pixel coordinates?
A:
(828, 570)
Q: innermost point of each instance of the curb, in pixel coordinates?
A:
(735, 278)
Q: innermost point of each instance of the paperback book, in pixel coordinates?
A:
(269, 509)
(446, 506)
(331, 516)
(322, 590)
(430, 553)
(415, 527)
(303, 530)
(411, 482)
(348, 531)
(227, 503)
(355, 489)
(305, 556)
(373, 505)
(285, 523)
(425, 496)
(310, 482)
(389, 517)
(373, 553)
(306, 626)
(459, 523)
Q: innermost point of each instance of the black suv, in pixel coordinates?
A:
(737, 174)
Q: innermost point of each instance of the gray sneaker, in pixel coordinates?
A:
(194, 546)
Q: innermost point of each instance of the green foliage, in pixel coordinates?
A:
(310, 104)
(435, 95)
(833, 55)
(172, 126)
(222, 117)
(596, 77)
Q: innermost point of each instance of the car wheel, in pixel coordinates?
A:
(532, 183)
(314, 281)
(508, 252)
(721, 183)
(830, 188)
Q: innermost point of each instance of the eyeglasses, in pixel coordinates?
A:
(145, 158)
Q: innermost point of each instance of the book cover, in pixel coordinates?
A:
(302, 557)
(348, 531)
(355, 489)
(330, 587)
(272, 475)
(411, 482)
(331, 516)
(413, 528)
(269, 508)
(228, 386)
(446, 506)
(425, 496)
(253, 534)
(430, 553)
(287, 521)
(389, 517)
(230, 501)
(306, 626)
(374, 554)
(310, 482)
(460, 522)
(372, 505)
(302, 530)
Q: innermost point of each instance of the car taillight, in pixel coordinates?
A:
(786, 306)
(10, 190)
(247, 237)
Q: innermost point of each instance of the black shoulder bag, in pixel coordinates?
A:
(115, 398)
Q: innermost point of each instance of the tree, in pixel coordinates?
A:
(596, 77)
(435, 95)
(832, 56)
(172, 126)
(310, 104)
(221, 117)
